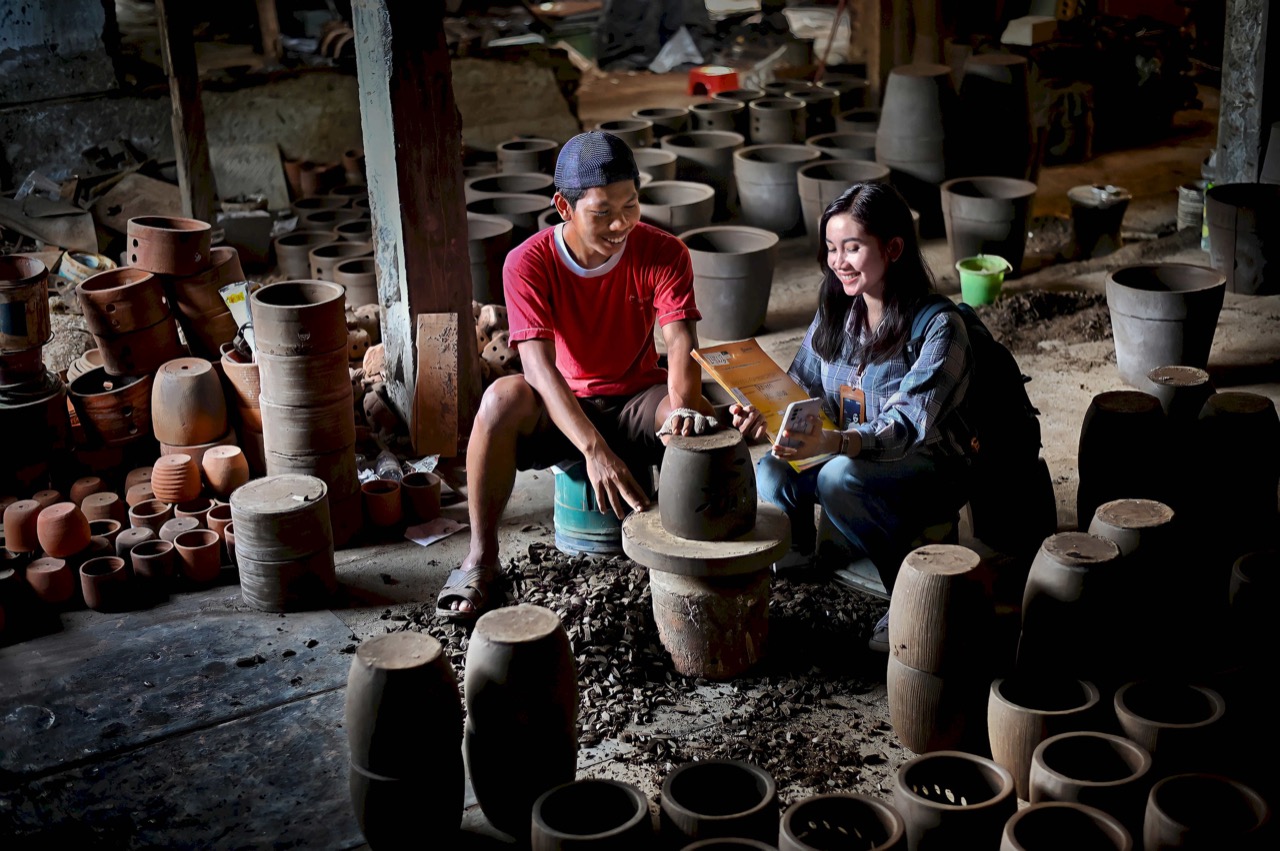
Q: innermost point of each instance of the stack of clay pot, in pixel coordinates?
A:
(306, 397)
(242, 386)
(284, 542)
(205, 317)
(708, 549)
(940, 650)
(32, 401)
(189, 409)
(918, 117)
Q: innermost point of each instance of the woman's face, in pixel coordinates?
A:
(858, 259)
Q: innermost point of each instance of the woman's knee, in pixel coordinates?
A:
(772, 477)
(840, 478)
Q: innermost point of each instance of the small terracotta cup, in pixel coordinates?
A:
(20, 520)
(130, 538)
(382, 502)
(153, 565)
(225, 468)
(152, 513)
(140, 492)
(177, 526)
(47, 498)
(219, 518)
(199, 556)
(52, 580)
(104, 505)
(198, 509)
(105, 584)
(421, 495)
(137, 476)
(62, 530)
(84, 487)
(109, 529)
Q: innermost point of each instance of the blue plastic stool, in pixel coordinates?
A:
(581, 528)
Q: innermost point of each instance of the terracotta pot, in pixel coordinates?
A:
(940, 620)
(199, 293)
(1023, 711)
(117, 301)
(108, 530)
(1205, 811)
(305, 382)
(294, 318)
(528, 155)
(187, 403)
(327, 219)
(153, 563)
(199, 556)
(1180, 725)
(130, 538)
(359, 280)
(709, 487)
(522, 701)
(325, 258)
(719, 798)
(420, 495)
(52, 580)
(1098, 770)
(636, 132)
(197, 509)
(337, 469)
(296, 585)
(282, 517)
(20, 518)
(936, 712)
(242, 376)
(176, 478)
(834, 820)
(293, 251)
(225, 469)
(382, 502)
(85, 486)
(137, 476)
(62, 530)
(152, 514)
(1063, 825)
(229, 542)
(196, 451)
(48, 497)
(168, 246)
(207, 332)
(138, 494)
(590, 814)
(22, 368)
(177, 526)
(767, 188)
(950, 799)
(657, 163)
(141, 352)
(104, 583)
(113, 411)
(355, 230)
(24, 294)
(327, 427)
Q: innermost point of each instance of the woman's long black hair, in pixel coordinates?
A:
(883, 213)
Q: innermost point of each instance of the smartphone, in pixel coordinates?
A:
(796, 420)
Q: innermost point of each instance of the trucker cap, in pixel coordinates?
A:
(592, 159)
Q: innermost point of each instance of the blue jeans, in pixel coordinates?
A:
(879, 506)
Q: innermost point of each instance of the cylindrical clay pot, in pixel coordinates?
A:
(719, 798)
(767, 187)
(592, 814)
(950, 799)
(732, 278)
(1026, 710)
(1099, 770)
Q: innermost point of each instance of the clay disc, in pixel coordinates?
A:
(1079, 549)
(646, 542)
(1134, 513)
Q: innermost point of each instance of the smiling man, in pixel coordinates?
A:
(582, 301)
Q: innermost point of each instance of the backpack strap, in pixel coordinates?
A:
(929, 306)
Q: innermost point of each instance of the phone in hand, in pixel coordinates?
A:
(803, 422)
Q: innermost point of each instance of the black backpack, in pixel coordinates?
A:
(1011, 500)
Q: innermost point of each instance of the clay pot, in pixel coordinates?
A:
(199, 294)
(24, 367)
(137, 476)
(820, 107)
(950, 799)
(1163, 314)
(229, 542)
(509, 183)
(732, 278)
(47, 497)
(355, 230)
(62, 530)
(851, 91)
(589, 814)
(489, 238)
(636, 132)
(108, 530)
(994, 85)
(168, 246)
(113, 410)
(919, 107)
(657, 163)
(325, 258)
(85, 486)
(940, 620)
(130, 538)
(988, 215)
(835, 820)
(199, 556)
(1110, 773)
(282, 517)
(528, 155)
(1056, 826)
(117, 301)
(104, 583)
(138, 494)
(1025, 710)
(420, 495)
(177, 526)
(1237, 488)
(196, 509)
(864, 120)
(1243, 230)
(382, 502)
(723, 115)
(140, 352)
(1251, 596)
(858, 147)
(1182, 391)
(187, 403)
(153, 563)
(176, 478)
(52, 580)
(359, 280)
(294, 318)
(709, 491)
(293, 251)
(742, 96)
(24, 294)
(666, 119)
(521, 210)
(312, 203)
(327, 219)
(706, 157)
(522, 701)
(1188, 811)
(1180, 725)
(20, 518)
(326, 427)
(1123, 440)
(776, 121)
(219, 518)
(935, 712)
(225, 468)
(767, 187)
(719, 798)
(677, 206)
(151, 514)
(304, 382)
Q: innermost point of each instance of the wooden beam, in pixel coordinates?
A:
(190, 141)
(269, 27)
(413, 155)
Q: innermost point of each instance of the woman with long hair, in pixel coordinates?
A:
(898, 462)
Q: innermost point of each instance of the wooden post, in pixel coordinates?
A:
(190, 142)
(413, 154)
(269, 27)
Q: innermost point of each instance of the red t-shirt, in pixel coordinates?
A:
(601, 319)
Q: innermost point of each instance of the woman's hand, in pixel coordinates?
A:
(794, 445)
(748, 420)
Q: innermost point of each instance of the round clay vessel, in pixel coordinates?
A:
(175, 527)
(1179, 724)
(139, 493)
(130, 538)
(52, 580)
(219, 518)
(20, 526)
(62, 530)
(137, 476)
(838, 820)
(104, 505)
(225, 469)
(187, 403)
(940, 620)
(176, 478)
(382, 502)
(592, 813)
(953, 799)
(1099, 770)
(152, 514)
(104, 582)
(84, 487)
(199, 555)
(47, 497)
(708, 486)
(168, 245)
(153, 563)
(1205, 811)
(106, 529)
(1025, 710)
(196, 451)
(420, 495)
(197, 509)
(719, 798)
(1059, 826)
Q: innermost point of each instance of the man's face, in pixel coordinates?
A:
(605, 216)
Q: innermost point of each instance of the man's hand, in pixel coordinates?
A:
(686, 421)
(748, 420)
(614, 486)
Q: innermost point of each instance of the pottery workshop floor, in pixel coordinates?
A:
(201, 722)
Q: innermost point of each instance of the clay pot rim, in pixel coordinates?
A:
(166, 225)
(340, 248)
(218, 508)
(769, 239)
(732, 138)
(432, 480)
(755, 153)
(515, 202)
(527, 145)
(380, 487)
(110, 280)
(1120, 744)
(99, 563)
(768, 795)
(625, 124)
(93, 534)
(872, 169)
(299, 294)
(820, 140)
(108, 384)
(725, 105)
(637, 798)
(847, 84)
(897, 826)
(653, 156)
(1163, 375)
(997, 188)
(1247, 794)
(1240, 568)
(208, 538)
(697, 193)
(778, 103)
(150, 503)
(489, 226)
(28, 270)
(987, 766)
(145, 548)
(1091, 696)
(815, 93)
(357, 266)
(358, 226)
(922, 69)
(1111, 824)
(1213, 698)
(348, 191)
(193, 506)
(1145, 278)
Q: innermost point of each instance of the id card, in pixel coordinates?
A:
(853, 407)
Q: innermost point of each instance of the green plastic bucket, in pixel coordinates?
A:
(981, 278)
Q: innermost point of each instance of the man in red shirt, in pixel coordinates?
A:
(582, 298)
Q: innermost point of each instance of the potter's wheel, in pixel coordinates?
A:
(646, 542)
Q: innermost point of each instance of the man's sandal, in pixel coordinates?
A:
(474, 585)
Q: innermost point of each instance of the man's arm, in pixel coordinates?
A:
(684, 376)
(614, 486)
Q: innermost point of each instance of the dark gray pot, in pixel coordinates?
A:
(677, 205)
(863, 120)
(636, 132)
(659, 164)
(507, 183)
(845, 146)
(706, 156)
(919, 106)
(987, 215)
(819, 109)
(488, 241)
(725, 115)
(519, 209)
(767, 191)
(994, 86)
(852, 91)
(666, 119)
(821, 182)
(777, 121)
(1244, 235)
(732, 278)
(530, 154)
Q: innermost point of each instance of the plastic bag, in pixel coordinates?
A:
(679, 50)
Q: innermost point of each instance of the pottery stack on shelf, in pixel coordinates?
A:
(205, 318)
(305, 397)
(284, 542)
